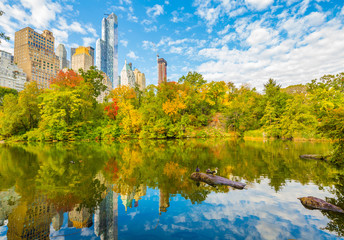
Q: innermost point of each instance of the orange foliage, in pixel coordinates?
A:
(112, 109)
(67, 79)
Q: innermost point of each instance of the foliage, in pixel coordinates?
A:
(95, 78)
(4, 91)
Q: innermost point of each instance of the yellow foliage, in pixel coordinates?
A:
(172, 170)
(173, 107)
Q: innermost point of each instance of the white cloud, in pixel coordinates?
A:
(224, 31)
(259, 4)
(180, 16)
(88, 41)
(124, 43)
(42, 11)
(132, 17)
(289, 61)
(132, 55)
(151, 29)
(148, 45)
(155, 11)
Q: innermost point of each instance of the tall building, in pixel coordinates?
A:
(140, 79)
(61, 52)
(81, 59)
(11, 76)
(34, 53)
(103, 94)
(127, 75)
(90, 51)
(107, 48)
(162, 70)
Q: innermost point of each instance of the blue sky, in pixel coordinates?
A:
(243, 41)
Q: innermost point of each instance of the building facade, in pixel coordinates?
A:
(34, 53)
(127, 75)
(11, 76)
(162, 70)
(140, 79)
(90, 51)
(61, 52)
(107, 48)
(81, 59)
(108, 84)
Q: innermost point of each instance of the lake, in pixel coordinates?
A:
(143, 190)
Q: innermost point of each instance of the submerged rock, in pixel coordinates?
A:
(313, 156)
(216, 180)
(317, 203)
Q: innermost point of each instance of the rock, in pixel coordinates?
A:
(313, 156)
(216, 180)
(317, 203)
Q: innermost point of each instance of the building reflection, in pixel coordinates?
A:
(80, 218)
(57, 221)
(164, 200)
(106, 217)
(30, 220)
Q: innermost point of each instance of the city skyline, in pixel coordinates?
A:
(240, 41)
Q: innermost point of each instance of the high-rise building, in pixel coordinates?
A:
(11, 75)
(90, 51)
(61, 52)
(34, 53)
(107, 48)
(127, 75)
(103, 94)
(140, 79)
(81, 59)
(162, 70)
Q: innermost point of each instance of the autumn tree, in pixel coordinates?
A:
(95, 78)
(69, 79)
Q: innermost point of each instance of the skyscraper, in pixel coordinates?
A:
(61, 52)
(162, 70)
(107, 48)
(34, 53)
(127, 75)
(90, 51)
(140, 79)
(81, 59)
(11, 75)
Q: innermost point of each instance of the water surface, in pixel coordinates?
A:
(142, 190)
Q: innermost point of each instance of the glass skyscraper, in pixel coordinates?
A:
(107, 49)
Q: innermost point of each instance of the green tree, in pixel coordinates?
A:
(95, 78)
(4, 91)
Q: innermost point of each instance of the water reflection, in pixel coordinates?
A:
(142, 190)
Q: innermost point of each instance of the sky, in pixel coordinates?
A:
(242, 41)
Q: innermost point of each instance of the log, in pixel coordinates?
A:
(216, 180)
(317, 203)
(313, 156)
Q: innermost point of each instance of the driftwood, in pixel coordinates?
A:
(313, 156)
(316, 203)
(216, 180)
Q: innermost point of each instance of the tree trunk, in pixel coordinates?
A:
(216, 180)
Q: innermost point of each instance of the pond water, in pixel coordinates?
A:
(143, 190)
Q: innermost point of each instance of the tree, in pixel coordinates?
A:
(95, 78)
(192, 78)
(2, 35)
(68, 79)
(4, 91)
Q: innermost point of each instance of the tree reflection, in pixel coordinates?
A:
(78, 176)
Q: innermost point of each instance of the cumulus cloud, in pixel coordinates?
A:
(132, 55)
(259, 4)
(150, 29)
(124, 42)
(155, 11)
(88, 41)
